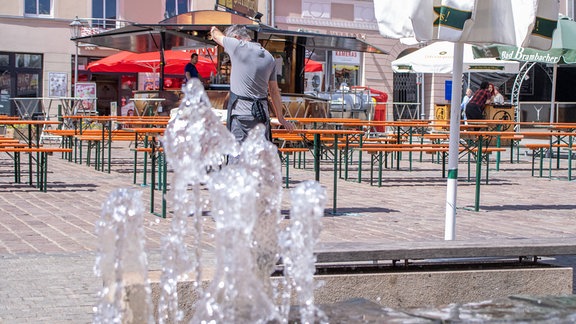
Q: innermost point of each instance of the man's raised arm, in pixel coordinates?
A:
(217, 35)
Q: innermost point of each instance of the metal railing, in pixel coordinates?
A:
(539, 111)
(404, 110)
(93, 26)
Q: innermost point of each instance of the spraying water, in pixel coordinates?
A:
(245, 198)
(121, 261)
(194, 143)
(298, 248)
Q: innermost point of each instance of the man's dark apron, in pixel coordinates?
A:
(257, 112)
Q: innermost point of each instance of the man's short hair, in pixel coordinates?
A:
(193, 55)
(237, 30)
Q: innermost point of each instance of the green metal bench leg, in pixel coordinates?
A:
(335, 185)
(360, 161)
(541, 161)
(17, 167)
(380, 169)
(44, 171)
(570, 158)
(152, 177)
(533, 159)
(164, 184)
(372, 160)
(478, 174)
(469, 165)
(287, 162)
(488, 166)
(144, 181)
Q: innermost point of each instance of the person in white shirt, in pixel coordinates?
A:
(465, 102)
(498, 97)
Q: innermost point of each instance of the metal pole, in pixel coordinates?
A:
(553, 96)
(75, 69)
(75, 29)
(452, 185)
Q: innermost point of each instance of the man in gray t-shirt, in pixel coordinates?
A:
(253, 76)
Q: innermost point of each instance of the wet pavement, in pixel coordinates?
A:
(48, 241)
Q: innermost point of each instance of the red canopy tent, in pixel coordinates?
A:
(313, 66)
(129, 62)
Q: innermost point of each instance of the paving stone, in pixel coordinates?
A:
(48, 245)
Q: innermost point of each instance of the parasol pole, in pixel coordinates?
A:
(452, 186)
(553, 97)
(162, 63)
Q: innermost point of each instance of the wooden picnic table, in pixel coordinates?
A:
(556, 138)
(32, 142)
(336, 133)
(475, 141)
(154, 132)
(316, 121)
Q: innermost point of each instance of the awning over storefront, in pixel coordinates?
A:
(191, 30)
(144, 38)
(318, 41)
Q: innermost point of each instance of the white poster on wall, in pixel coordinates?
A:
(148, 81)
(57, 84)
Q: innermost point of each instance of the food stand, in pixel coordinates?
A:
(191, 30)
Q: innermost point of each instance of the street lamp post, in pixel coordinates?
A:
(75, 27)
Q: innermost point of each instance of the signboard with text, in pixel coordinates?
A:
(248, 8)
(346, 57)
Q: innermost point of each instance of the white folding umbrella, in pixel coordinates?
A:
(438, 58)
(563, 51)
(527, 23)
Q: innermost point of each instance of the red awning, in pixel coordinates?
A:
(129, 62)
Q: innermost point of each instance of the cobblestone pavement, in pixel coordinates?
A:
(48, 244)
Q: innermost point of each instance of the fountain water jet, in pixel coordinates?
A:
(194, 143)
(298, 249)
(246, 199)
(121, 261)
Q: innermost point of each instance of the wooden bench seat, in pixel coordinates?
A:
(34, 149)
(13, 144)
(41, 162)
(379, 154)
(285, 153)
(540, 149)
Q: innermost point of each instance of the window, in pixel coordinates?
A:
(175, 7)
(20, 76)
(104, 9)
(27, 85)
(364, 12)
(4, 60)
(37, 7)
(5, 91)
(342, 11)
(29, 61)
(316, 9)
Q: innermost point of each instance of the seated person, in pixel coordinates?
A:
(498, 97)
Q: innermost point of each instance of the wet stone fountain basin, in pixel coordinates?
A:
(467, 274)
(394, 291)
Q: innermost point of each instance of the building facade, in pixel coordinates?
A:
(38, 58)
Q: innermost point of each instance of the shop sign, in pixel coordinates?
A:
(346, 57)
(248, 8)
